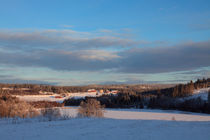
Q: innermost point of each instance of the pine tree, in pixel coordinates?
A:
(175, 91)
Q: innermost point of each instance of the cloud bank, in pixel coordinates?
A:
(68, 50)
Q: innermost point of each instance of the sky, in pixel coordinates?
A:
(82, 42)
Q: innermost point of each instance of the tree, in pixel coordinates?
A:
(175, 91)
(90, 108)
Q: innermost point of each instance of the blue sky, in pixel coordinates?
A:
(79, 42)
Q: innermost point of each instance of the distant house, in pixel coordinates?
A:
(114, 91)
(92, 91)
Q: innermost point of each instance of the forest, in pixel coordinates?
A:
(166, 98)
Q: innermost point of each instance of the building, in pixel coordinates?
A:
(92, 91)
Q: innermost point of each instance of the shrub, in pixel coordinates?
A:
(90, 108)
(13, 107)
(45, 104)
(51, 113)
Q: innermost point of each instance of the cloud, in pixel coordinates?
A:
(22, 81)
(185, 56)
(97, 55)
(200, 27)
(61, 60)
(12, 79)
(60, 39)
(78, 51)
(67, 26)
(196, 74)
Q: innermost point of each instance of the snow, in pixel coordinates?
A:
(83, 95)
(202, 93)
(50, 96)
(106, 129)
(53, 96)
(145, 114)
(117, 124)
(41, 98)
(123, 124)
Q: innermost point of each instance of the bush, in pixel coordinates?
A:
(51, 113)
(13, 107)
(90, 108)
(45, 104)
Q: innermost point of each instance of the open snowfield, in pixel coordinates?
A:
(52, 98)
(123, 124)
(106, 129)
(117, 124)
(145, 114)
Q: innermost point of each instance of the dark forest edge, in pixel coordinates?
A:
(166, 98)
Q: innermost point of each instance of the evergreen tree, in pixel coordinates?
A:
(175, 92)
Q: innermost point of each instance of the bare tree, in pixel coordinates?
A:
(91, 108)
(13, 107)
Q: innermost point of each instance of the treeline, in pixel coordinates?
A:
(34, 89)
(181, 90)
(192, 105)
(168, 98)
(112, 101)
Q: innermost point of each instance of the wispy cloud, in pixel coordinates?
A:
(202, 26)
(66, 26)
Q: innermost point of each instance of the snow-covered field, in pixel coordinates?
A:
(106, 129)
(41, 98)
(123, 124)
(53, 97)
(144, 114)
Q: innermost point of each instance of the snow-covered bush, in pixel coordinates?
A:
(90, 108)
